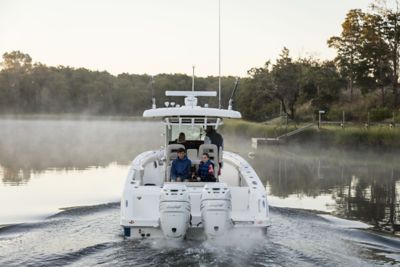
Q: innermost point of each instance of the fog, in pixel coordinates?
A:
(359, 184)
(37, 145)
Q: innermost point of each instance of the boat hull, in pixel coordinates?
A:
(140, 204)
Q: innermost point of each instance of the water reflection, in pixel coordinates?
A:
(357, 185)
(15, 176)
(34, 146)
(364, 185)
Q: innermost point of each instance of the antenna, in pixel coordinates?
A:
(153, 99)
(193, 79)
(233, 93)
(219, 54)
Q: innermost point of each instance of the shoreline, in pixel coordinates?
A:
(351, 136)
(355, 136)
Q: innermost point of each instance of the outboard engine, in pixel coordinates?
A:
(174, 210)
(216, 209)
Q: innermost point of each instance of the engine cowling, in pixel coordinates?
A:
(216, 209)
(174, 210)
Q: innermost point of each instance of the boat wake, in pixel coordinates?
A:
(88, 236)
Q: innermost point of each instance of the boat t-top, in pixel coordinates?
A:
(154, 206)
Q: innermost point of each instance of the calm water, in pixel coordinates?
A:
(60, 182)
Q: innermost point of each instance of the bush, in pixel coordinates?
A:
(380, 114)
(335, 114)
(397, 117)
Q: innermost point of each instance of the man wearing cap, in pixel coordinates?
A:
(180, 169)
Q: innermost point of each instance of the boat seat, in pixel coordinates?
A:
(192, 154)
(212, 151)
(171, 152)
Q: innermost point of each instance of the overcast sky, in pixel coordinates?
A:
(169, 36)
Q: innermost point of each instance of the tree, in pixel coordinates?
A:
(391, 31)
(348, 46)
(254, 97)
(320, 83)
(16, 60)
(286, 87)
(375, 54)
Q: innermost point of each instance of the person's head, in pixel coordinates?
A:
(205, 157)
(181, 153)
(181, 137)
(210, 129)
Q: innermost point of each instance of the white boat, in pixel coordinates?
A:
(154, 207)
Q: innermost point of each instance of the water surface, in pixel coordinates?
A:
(327, 203)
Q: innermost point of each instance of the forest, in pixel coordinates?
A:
(362, 78)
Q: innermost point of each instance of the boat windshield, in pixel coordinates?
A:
(195, 132)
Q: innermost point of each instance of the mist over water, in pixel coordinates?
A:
(46, 165)
(34, 146)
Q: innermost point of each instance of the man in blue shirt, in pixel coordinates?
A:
(180, 169)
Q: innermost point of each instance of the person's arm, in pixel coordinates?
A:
(198, 170)
(189, 167)
(211, 169)
(210, 173)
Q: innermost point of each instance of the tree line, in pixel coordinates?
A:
(362, 77)
(27, 87)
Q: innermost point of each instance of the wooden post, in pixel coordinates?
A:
(286, 123)
(343, 118)
(319, 119)
(394, 119)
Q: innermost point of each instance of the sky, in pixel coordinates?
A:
(170, 36)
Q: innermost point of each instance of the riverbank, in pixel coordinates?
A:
(354, 136)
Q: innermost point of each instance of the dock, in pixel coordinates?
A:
(280, 140)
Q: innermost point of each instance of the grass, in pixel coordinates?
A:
(380, 136)
(254, 129)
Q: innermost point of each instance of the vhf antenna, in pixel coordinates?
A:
(193, 79)
(219, 54)
(233, 93)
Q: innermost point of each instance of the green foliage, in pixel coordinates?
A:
(252, 129)
(37, 88)
(380, 114)
(334, 114)
(288, 84)
(348, 46)
(368, 50)
(350, 136)
(367, 61)
(383, 137)
(16, 60)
